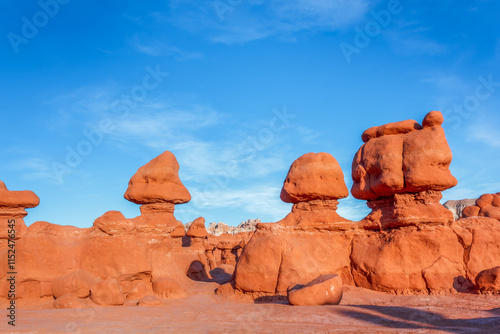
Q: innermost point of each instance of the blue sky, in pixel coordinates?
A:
(237, 90)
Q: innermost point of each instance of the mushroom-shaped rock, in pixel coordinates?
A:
(324, 290)
(17, 199)
(314, 176)
(12, 210)
(158, 182)
(402, 169)
(179, 230)
(197, 228)
(314, 184)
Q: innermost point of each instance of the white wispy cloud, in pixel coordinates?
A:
(411, 38)
(35, 168)
(254, 19)
(155, 47)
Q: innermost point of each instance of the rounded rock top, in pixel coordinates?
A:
(158, 182)
(314, 176)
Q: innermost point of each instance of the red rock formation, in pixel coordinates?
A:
(488, 205)
(168, 288)
(12, 211)
(324, 290)
(158, 182)
(197, 228)
(107, 292)
(401, 170)
(488, 281)
(314, 184)
(77, 283)
(157, 186)
(68, 301)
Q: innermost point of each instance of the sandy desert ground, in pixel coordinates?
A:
(361, 311)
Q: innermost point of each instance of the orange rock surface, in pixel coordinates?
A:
(488, 205)
(314, 176)
(158, 182)
(324, 290)
(401, 170)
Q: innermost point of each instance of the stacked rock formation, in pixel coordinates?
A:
(116, 259)
(280, 255)
(158, 188)
(488, 205)
(12, 212)
(401, 170)
(314, 184)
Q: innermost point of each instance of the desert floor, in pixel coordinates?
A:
(361, 311)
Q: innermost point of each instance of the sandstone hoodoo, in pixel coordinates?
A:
(314, 184)
(157, 186)
(197, 228)
(12, 207)
(280, 254)
(158, 182)
(401, 170)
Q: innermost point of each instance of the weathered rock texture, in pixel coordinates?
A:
(117, 256)
(158, 182)
(314, 184)
(401, 170)
(324, 290)
(488, 205)
(12, 212)
(489, 280)
(157, 186)
(408, 244)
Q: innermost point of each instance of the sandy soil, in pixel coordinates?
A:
(361, 311)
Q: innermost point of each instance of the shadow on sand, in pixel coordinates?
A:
(411, 318)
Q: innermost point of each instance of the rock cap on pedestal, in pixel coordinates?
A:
(314, 176)
(17, 199)
(158, 182)
(197, 228)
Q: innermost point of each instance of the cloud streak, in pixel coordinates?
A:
(253, 20)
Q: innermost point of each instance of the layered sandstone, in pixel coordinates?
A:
(401, 170)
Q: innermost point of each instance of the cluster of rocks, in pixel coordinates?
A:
(488, 205)
(458, 206)
(409, 243)
(117, 259)
(218, 229)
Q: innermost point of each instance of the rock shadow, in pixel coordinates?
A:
(283, 300)
(186, 241)
(197, 272)
(220, 276)
(411, 318)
